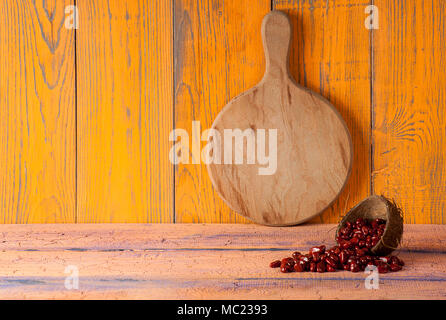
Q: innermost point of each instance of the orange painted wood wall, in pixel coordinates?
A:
(85, 114)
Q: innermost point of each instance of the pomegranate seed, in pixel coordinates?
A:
(296, 254)
(320, 267)
(275, 264)
(383, 268)
(330, 268)
(395, 267)
(313, 267)
(354, 267)
(330, 261)
(343, 256)
(288, 261)
(299, 267)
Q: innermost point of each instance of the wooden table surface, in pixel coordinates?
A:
(186, 261)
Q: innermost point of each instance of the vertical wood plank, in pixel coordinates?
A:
(124, 63)
(218, 55)
(409, 130)
(37, 113)
(330, 54)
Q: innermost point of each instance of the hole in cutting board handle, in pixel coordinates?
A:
(276, 36)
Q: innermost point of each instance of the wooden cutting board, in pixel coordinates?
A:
(314, 149)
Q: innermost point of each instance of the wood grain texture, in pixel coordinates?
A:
(218, 55)
(309, 159)
(125, 111)
(126, 82)
(37, 113)
(409, 103)
(330, 54)
(186, 261)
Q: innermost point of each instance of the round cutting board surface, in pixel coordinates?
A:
(293, 151)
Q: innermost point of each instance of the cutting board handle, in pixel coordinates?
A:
(276, 36)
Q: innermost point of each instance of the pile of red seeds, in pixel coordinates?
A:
(352, 252)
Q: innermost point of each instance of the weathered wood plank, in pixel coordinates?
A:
(330, 54)
(206, 274)
(90, 237)
(37, 113)
(201, 262)
(125, 111)
(218, 55)
(409, 106)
